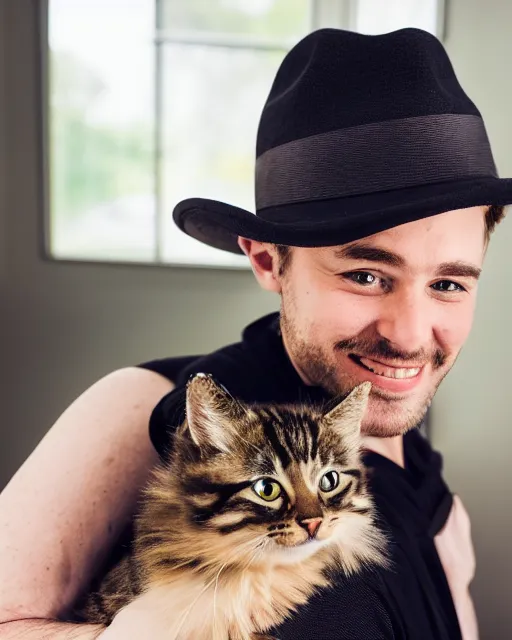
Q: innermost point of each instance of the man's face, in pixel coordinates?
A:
(394, 308)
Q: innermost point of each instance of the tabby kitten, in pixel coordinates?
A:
(255, 504)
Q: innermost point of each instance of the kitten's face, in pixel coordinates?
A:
(275, 483)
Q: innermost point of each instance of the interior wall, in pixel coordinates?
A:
(64, 325)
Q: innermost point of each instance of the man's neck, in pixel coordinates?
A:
(392, 448)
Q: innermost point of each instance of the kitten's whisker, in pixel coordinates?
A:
(235, 555)
(242, 552)
(215, 597)
(240, 548)
(255, 546)
(259, 548)
(189, 608)
(257, 551)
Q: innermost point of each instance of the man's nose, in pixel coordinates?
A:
(406, 321)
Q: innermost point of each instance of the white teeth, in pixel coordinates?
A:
(406, 373)
(397, 373)
(389, 372)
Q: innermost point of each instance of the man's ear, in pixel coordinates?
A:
(264, 262)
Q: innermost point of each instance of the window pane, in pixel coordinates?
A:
(101, 129)
(374, 16)
(104, 79)
(213, 99)
(274, 19)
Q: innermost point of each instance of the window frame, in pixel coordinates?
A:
(323, 13)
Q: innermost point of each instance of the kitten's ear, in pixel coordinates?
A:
(212, 414)
(347, 415)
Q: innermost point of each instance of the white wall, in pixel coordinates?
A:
(62, 325)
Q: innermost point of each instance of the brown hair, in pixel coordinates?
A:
(493, 216)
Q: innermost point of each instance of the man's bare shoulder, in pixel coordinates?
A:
(65, 507)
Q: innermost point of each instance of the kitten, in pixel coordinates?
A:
(241, 526)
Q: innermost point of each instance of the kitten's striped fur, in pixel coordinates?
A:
(216, 560)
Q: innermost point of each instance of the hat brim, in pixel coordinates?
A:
(322, 223)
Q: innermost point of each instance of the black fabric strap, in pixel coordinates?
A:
(374, 157)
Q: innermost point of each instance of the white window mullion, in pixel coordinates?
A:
(224, 40)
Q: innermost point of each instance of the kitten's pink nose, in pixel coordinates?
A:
(312, 525)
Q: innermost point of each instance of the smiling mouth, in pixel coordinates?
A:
(386, 371)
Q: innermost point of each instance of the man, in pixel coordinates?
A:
(376, 195)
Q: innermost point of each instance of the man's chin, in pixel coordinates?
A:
(385, 430)
(389, 397)
(392, 419)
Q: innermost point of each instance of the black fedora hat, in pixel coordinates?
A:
(359, 134)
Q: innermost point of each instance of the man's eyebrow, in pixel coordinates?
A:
(458, 270)
(369, 253)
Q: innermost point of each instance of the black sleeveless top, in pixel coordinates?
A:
(411, 600)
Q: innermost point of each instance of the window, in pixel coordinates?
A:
(101, 147)
(153, 101)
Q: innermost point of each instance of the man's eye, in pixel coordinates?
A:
(362, 277)
(447, 286)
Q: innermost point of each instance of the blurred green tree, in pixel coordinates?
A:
(91, 163)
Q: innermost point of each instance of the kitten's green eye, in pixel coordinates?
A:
(329, 481)
(269, 490)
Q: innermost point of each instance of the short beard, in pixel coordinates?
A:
(412, 419)
(314, 365)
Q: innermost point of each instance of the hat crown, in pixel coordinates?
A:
(359, 134)
(334, 79)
